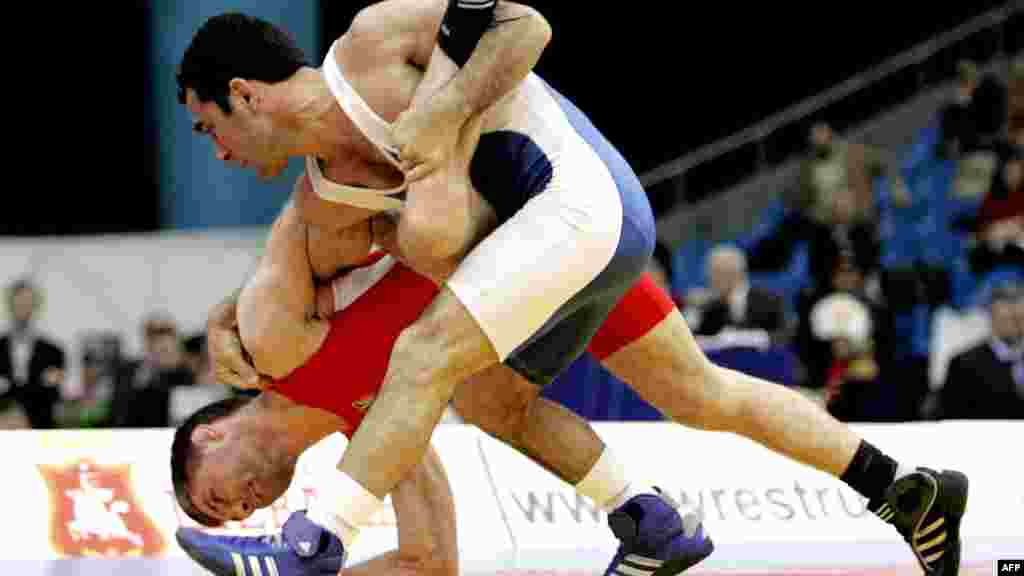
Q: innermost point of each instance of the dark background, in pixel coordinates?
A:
(658, 79)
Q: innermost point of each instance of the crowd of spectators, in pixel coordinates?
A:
(171, 379)
(861, 324)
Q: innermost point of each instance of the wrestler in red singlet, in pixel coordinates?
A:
(347, 371)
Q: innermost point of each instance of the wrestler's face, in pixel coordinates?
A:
(237, 472)
(245, 137)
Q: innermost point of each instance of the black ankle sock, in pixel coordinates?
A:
(870, 472)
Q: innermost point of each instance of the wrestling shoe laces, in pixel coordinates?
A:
(926, 508)
(657, 537)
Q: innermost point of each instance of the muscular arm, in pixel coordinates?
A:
(504, 55)
(276, 308)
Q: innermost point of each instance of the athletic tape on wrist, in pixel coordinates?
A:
(465, 22)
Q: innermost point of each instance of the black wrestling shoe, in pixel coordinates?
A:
(926, 507)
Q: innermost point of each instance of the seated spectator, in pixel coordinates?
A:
(1000, 222)
(852, 380)
(838, 167)
(31, 366)
(987, 381)
(142, 393)
(93, 406)
(734, 303)
(836, 233)
(961, 123)
(957, 132)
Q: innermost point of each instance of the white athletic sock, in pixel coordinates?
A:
(606, 484)
(342, 506)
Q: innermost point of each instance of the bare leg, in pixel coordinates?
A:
(669, 370)
(508, 407)
(444, 347)
(427, 543)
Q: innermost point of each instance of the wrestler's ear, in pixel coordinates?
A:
(205, 436)
(243, 91)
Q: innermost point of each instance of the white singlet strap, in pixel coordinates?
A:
(367, 198)
(377, 131)
(373, 126)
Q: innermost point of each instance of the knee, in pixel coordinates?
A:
(503, 415)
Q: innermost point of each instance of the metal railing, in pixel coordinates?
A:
(800, 111)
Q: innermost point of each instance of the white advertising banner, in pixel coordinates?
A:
(78, 495)
(101, 502)
(762, 511)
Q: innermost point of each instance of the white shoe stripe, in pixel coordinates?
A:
(644, 561)
(627, 570)
(882, 509)
(271, 566)
(239, 564)
(254, 563)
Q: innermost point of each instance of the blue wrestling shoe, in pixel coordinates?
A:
(301, 549)
(656, 539)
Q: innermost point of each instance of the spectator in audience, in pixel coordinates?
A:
(734, 302)
(142, 395)
(852, 383)
(834, 233)
(838, 167)
(93, 407)
(185, 400)
(1000, 222)
(987, 381)
(32, 368)
(956, 120)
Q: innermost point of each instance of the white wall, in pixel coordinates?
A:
(111, 282)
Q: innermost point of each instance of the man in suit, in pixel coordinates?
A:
(31, 367)
(734, 302)
(987, 381)
(142, 397)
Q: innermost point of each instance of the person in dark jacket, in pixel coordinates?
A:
(32, 367)
(987, 380)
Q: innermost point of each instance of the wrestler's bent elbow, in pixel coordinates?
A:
(267, 334)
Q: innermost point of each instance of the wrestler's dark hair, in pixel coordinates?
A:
(182, 450)
(235, 45)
